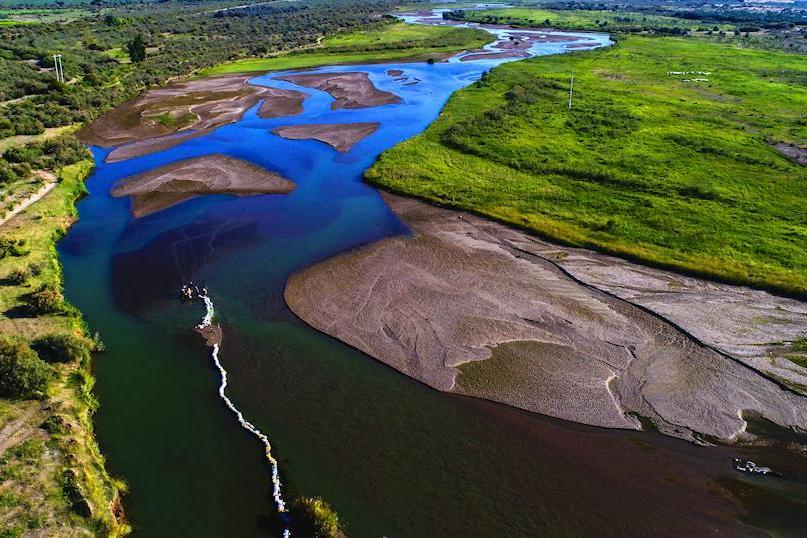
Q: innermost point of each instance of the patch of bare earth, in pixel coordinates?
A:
(179, 181)
(340, 136)
(165, 117)
(471, 306)
(350, 90)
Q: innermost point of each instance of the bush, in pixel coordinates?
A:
(46, 300)
(22, 373)
(62, 347)
(312, 516)
(19, 276)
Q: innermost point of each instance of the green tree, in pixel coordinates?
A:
(62, 347)
(22, 373)
(312, 516)
(137, 49)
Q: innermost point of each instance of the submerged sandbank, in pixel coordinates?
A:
(165, 117)
(474, 307)
(179, 181)
(340, 136)
(350, 90)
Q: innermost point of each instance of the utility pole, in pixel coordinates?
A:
(571, 89)
(57, 64)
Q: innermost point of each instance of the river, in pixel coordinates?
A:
(394, 457)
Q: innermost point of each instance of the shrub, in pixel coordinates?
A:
(19, 276)
(46, 300)
(62, 347)
(312, 516)
(22, 373)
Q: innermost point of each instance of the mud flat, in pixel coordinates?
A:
(474, 307)
(350, 90)
(340, 136)
(177, 182)
(165, 117)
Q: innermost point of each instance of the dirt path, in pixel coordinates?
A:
(50, 183)
(19, 428)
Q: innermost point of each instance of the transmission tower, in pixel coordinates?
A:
(57, 64)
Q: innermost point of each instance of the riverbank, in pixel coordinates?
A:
(669, 164)
(52, 475)
(397, 41)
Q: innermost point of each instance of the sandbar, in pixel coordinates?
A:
(177, 182)
(474, 307)
(350, 90)
(165, 117)
(340, 136)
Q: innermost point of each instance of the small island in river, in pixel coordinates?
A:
(174, 183)
(350, 90)
(340, 136)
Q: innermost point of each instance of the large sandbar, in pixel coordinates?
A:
(174, 183)
(164, 117)
(474, 307)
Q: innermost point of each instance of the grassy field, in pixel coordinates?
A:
(394, 41)
(613, 21)
(664, 158)
(52, 476)
(32, 16)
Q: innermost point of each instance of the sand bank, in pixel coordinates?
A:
(165, 117)
(350, 90)
(174, 183)
(470, 306)
(492, 55)
(340, 136)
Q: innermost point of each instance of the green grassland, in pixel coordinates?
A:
(52, 477)
(10, 17)
(394, 41)
(674, 170)
(614, 21)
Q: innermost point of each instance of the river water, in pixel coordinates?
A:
(394, 457)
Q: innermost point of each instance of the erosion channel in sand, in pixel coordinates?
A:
(166, 117)
(174, 183)
(474, 307)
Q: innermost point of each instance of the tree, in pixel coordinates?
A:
(62, 347)
(46, 300)
(22, 373)
(137, 49)
(312, 516)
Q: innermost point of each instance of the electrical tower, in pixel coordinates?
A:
(57, 64)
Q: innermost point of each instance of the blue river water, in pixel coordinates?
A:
(394, 457)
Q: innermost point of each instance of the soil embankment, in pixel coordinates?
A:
(474, 307)
(165, 117)
(350, 90)
(340, 136)
(177, 182)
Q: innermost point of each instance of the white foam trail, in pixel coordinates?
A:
(279, 502)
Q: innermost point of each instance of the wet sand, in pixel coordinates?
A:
(471, 306)
(165, 117)
(179, 181)
(350, 90)
(340, 136)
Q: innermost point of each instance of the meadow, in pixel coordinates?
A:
(612, 21)
(391, 42)
(665, 157)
